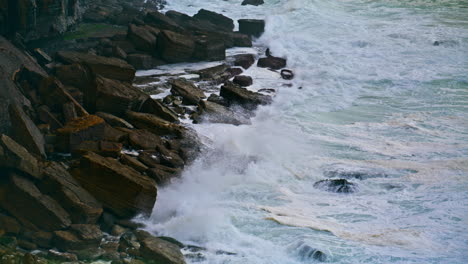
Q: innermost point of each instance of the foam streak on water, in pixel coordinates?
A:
(378, 100)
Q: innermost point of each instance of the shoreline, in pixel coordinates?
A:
(81, 130)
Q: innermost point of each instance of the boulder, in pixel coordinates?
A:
(121, 189)
(218, 100)
(114, 135)
(74, 74)
(111, 68)
(215, 113)
(113, 97)
(133, 162)
(44, 115)
(85, 128)
(221, 21)
(22, 199)
(169, 158)
(189, 92)
(207, 49)
(150, 159)
(155, 107)
(60, 185)
(271, 62)
(252, 27)
(68, 111)
(175, 47)
(160, 251)
(253, 2)
(239, 40)
(142, 38)
(216, 73)
(161, 21)
(103, 148)
(244, 60)
(248, 99)
(114, 120)
(42, 57)
(243, 80)
(25, 132)
(140, 61)
(336, 185)
(143, 139)
(154, 124)
(16, 157)
(42, 238)
(9, 224)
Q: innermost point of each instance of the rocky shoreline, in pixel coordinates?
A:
(85, 143)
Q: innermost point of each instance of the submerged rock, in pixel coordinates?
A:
(271, 62)
(336, 185)
(307, 253)
(253, 2)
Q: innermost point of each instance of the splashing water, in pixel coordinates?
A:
(384, 104)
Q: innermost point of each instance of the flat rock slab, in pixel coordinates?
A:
(238, 95)
(215, 113)
(86, 128)
(16, 157)
(175, 47)
(161, 251)
(154, 124)
(220, 20)
(111, 68)
(189, 91)
(121, 189)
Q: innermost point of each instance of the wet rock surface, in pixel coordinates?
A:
(336, 185)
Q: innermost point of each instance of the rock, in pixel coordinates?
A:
(9, 224)
(16, 157)
(218, 100)
(69, 112)
(173, 241)
(113, 97)
(252, 27)
(105, 178)
(244, 60)
(307, 253)
(142, 38)
(243, 80)
(114, 135)
(248, 99)
(175, 47)
(89, 233)
(287, 74)
(42, 239)
(215, 113)
(47, 117)
(134, 163)
(253, 2)
(154, 124)
(69, 241)
(150, 159)
(32, 208)
(221, 21)
(140, 61)
(271, 62)
(85, 128)
(234, 71)
(169, 158)
(60, 256)
(26, 245)
(60, 185)
(103, 148)
(42, 57)
(161, 21)
(161, 251)
(162, 174)
(189, 92)
(336, 185)
(25, 132)
(111, 68)
(143, 139)
(155, 107)
(216, 73)
(74, 74)
(207, 49)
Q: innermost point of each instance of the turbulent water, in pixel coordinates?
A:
(373, 98)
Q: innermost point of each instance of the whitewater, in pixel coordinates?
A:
(380, 98)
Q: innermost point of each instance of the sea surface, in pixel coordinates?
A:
(376, 101)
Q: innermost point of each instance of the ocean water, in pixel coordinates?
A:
(373, 97)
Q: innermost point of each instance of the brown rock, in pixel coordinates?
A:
(81, 129)
(244, 60)
(114, 135)
(215, 113)
(74, 74)
(16, 157)
(209, 49)
(155, 107)
(69, 112)
(46, 116)
(242, 96)
(121, 189)
(25, 132)
(271, 62)
(113, 97)
(160, 251)
(154, 124)
(42, 239)
(189, 92)
(161, 21)
(133, 162)
(252, 27)
(26, 245)
(103, 148)
(143, 139)
(89, 233)
(150, 159)
(163, 174)
(221, 21)
(243, 80)
(9, 224)
(142, 38)
(140, 61)
(32, 208)
(175, 47)
(61, 256)
(111, 68)
(239, 40)
(68, 241)
(114, 120)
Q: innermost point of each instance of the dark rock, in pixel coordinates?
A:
(42, 57)
(113, 97)
(15, 156)
(69, 112)
(42, 239)
(161, 251)
(85, 128)
(27, 245)
(287, 74)
(234, 72)
(114, 120)
(175, 47)
(161, 21)
(173, 241)
(44, 115)
(152, 106)
(253, 2)
(61, 256)
(25, 132)
(154, 124)
(244, 60)
(61, 186)
(9, 224)
(218, 100)
(189, 92)
(248, 99)
(221, 21)
(143, 139)
(32, 208)
(207, 49)
(150, 159)
(271, 62)
(142, 38)
(162, 174)
(111, 68)
(243, 80)
(140, 61)
(103, 148)
(215, 113)
(169, 158)
(74, 74)
(307, 253)
(89, 233)
(134, 163)
(336, 185)
(252, 27)
(105, 178)
(240, 40)
(217, 72)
